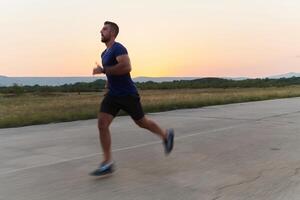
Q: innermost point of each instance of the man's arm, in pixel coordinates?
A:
(123, 66)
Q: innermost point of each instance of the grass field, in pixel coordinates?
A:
(29, 109)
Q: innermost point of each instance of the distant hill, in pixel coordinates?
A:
(44, 81)
(56, 81)
(287, 75)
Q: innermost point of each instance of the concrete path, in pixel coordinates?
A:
(238, 151)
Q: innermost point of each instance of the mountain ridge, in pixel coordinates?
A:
(55, 81)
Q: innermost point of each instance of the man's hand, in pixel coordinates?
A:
(98, 69)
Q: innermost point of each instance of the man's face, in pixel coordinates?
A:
(106, 33)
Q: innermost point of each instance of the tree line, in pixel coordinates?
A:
(98, 85)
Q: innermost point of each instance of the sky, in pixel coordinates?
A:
(197, 38)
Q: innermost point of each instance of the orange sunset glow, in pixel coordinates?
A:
(163, 38)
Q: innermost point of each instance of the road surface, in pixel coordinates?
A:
(245, 151)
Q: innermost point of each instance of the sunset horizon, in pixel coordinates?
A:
(164, 39)
(297, 74)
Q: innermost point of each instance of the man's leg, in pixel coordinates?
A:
(104, 121)
(108, 110)
(167, 136)
(152, 126)
(133, 107)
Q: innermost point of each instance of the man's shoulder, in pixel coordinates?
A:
(119, 45)
(119, 49)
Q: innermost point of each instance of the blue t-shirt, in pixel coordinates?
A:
(118, 85)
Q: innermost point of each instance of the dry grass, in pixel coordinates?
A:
(31, 109)
(34, 109)
(173, 99)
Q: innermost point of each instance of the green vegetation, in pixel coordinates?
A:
(98, 85)
(46, 107)
(28, 105)
(221, 83)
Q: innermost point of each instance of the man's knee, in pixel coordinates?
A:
(103, 122)
(143, 123)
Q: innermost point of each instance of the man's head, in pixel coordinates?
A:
(109, 31)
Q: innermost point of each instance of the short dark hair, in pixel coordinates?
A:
(114, 26)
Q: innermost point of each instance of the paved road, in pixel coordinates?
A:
(237, 151)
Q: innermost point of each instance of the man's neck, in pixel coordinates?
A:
(109, 44)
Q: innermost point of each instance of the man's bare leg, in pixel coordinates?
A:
(167, 136)
(104, 121)
(152, 126)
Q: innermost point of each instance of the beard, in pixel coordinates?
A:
(105, 39)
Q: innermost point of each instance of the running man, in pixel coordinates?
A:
(122, 94)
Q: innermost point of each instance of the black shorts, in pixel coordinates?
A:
(130, 104)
